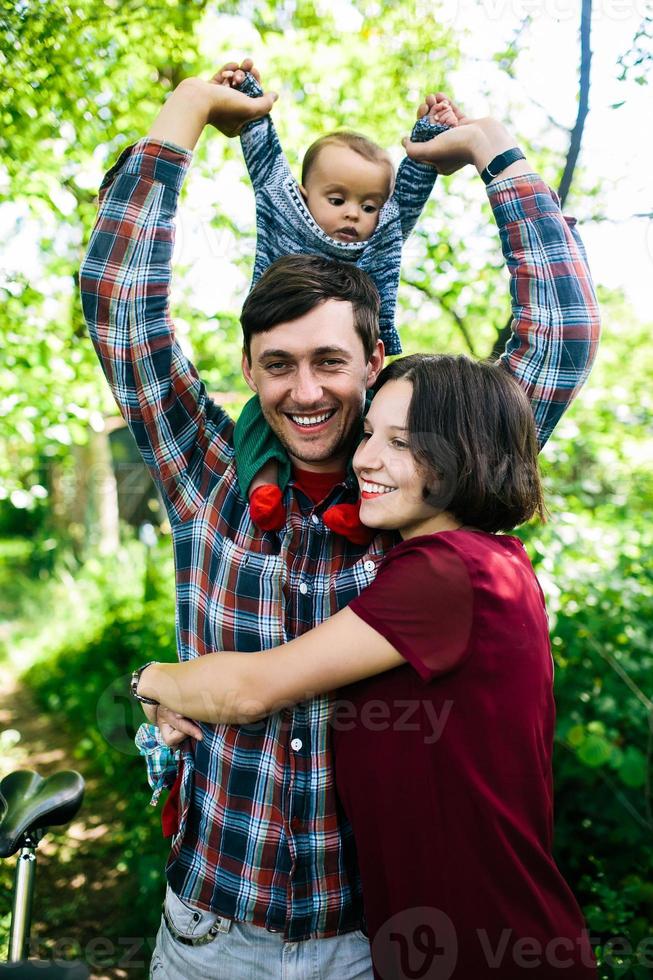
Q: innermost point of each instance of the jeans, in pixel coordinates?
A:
(241, 951)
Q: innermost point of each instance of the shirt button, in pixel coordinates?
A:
(296, 744)
(369, 566)
(315, 519)
(303, 588)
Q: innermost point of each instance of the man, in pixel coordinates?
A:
(262, 877)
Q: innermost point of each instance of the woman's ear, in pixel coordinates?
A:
(439, 490)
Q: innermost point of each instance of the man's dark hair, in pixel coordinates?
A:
(296, 284)
(471, 429)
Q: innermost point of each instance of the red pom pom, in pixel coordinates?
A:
(345, 519)
(266, 507)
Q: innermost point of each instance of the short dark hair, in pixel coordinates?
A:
(472, 431)
(356, 142)
(296, 284)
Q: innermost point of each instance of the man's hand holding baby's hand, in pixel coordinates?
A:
(226, 108)
(475, 141)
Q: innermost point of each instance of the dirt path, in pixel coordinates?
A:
(80, 884)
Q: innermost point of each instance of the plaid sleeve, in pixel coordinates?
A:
(160, 760)
(556, 324)
(125, 283)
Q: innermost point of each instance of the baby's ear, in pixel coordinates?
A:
(303, 192)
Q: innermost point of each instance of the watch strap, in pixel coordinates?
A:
(500, 162)
(133, 685)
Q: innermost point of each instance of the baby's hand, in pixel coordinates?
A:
(232, 74)
(442, 110)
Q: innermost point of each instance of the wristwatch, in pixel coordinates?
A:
(500, 162)
(136, 676)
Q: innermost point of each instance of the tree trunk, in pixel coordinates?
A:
(96, 482)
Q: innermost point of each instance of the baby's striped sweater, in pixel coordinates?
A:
(285, 226)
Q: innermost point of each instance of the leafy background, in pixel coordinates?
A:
(84, 597)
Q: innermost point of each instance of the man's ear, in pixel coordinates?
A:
(247, 373)
(375, 364)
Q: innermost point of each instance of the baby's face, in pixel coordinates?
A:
(345, 192)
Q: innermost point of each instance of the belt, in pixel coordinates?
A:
(220, 925)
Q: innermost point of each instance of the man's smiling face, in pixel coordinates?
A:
(311, 375)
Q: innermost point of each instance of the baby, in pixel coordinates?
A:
(348, 206)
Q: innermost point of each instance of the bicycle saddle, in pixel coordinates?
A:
(28, 802)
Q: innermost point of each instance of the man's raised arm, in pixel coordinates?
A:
(125, 283)
(555, 328)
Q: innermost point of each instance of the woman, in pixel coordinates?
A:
(443, 734)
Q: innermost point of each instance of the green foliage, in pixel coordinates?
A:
(74, 78)
(599, 583)
(82, 681)
(595, 562)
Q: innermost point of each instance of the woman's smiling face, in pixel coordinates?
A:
(390, 480)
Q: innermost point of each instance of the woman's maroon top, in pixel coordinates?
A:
(443, 767)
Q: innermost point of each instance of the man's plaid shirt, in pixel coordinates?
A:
(261, 835)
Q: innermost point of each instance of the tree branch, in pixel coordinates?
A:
(576, 138)
(583, 101)
(554, 122)
(648, 788)
(455, 316)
